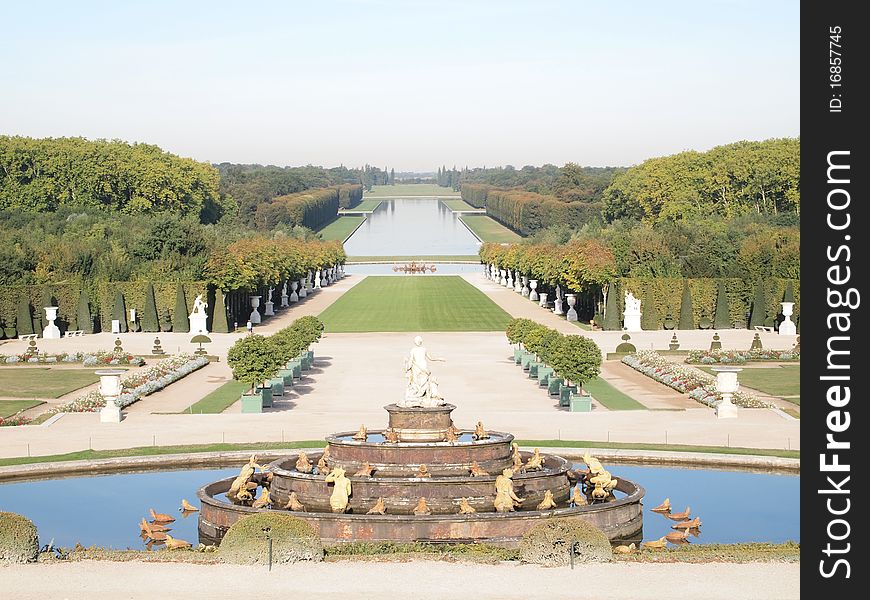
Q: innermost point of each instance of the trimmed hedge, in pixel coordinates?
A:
(475, 193)
(19, 540)
(311, 208)
(528, 212)
(349, 195)
(293, 540)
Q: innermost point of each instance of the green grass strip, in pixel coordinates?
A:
(385, 303)
(611, 397)
(197, 448)
(458, 204)
(781, 381)
(490, 230)
(366, 206)
(219, 400)
(13, 407)
(44, 382)
(340, 228)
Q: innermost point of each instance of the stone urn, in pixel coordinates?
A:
(533, 295)
(255, 314)
(110, 390)
(509, 283)
(285, 299)
(317, 277)
(518, 285)
(572, 301)
(727, 386)
(51, 332)
(525, 290)
(493, 272)
(543, 299)
(302, 291)
(294, 297)
(269, 305)
(787, 327)
(503, 280)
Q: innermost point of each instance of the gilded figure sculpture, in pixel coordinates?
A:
(465, 508)
(303, 465)
(547, 503)
(380, 508)
(422, 507)
(340, 498)
(294, 504)
(362, 434)
(505, 498)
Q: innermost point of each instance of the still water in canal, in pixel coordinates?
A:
(734, 506)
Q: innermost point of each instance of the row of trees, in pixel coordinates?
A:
(529, 212)
(570, 183)
(574, 358)
(43, 175)
(311, 208)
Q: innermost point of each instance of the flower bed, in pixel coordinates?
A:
(14, 421)
(88, 359)
(141, 383)
(736, 357)
(686, 380)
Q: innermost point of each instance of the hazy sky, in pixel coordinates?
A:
(409, 84)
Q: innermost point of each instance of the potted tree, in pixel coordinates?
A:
(516, 332)
(253, 360)
(577, 359)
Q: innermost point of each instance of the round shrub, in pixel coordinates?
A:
(549, 543)
(293, 540)
(19, 541)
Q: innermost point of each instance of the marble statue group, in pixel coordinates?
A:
(422, 387)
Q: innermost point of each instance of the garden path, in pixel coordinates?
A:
(648, 392)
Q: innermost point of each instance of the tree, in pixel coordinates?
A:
(759, 307)
(576, 359)
(253, 359)
(392, 177)
(612, 322)
(649, 316)
(180, 321)
(150, 321)
(219, 321)
(119, 311)
(24, 316)
(687, 319)
(788, 295)
(46, 299)
(516, 330)
(535, 339)
(84, 320)
(722, 318)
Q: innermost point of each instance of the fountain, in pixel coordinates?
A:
(423, 479)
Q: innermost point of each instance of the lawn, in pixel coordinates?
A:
(411, 189)
(43, 382)
(340, 228)
(465, 258)
(440, 303)
(458, 204)
(12, 407)
(783, 381)
(611, 397)
(490, 230)
(220, 399)
(365, 205)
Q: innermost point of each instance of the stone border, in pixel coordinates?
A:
(217, 459)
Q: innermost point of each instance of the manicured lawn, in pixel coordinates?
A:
(43, 382)
(365, 205)
(458, 204)
(410, 189)
(341, 228)
(783, 381)
(220, 399)
(11, 407)
(490, 230)
(438, 303)
(611, 397)
(472, 258)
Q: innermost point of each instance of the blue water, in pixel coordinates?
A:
(387, 269)
(105, 510)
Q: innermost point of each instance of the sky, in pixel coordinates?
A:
(406, 84)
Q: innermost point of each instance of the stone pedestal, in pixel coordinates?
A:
(509, 282)
(294, 297)
(525, 291)
(285, 299)
(572, 300)
(198, 323)
(110, 389)
(631, 321)
(518, 285)
(255, 318)
(543, 299)
(503, 280)
(533, 295)
(317, 277)
(727, 386)
(51, 332)
(787, 327)
(428, 424)
(303, 291)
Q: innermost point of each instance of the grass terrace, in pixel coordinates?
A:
(341, 228)
(43, 382)
(220, 399)
(783, 381)
(364, 206)
(490, 230)
(458, 205)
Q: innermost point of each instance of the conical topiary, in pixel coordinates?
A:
(788, 295)
(180, 322)
(759, 308)
(150, 321)
(612, 322)
(649, 317)
(24, 316)
(220, 323)
(722, 318)
(687, 320)
(46, 299)
(84, 320)
(119, 311)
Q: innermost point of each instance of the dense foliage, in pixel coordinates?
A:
(254, 359)
(311, 209)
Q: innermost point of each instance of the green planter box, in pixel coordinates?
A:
(277, 386)
(580, 403)
(544, 374)
(518, 355)
(554, 384)
(296, 366)
(252, 404)
(526, 360)
(266, 393)
(533, 369)
(287, 376)
(565, 392)
(306, 362)
(310, 354)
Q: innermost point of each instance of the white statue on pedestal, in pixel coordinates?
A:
(631, 315)
(198, 317)
(422, 389)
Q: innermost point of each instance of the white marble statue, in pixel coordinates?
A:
(199, 306)
(422, 388)
(198, 318)
(631, 313)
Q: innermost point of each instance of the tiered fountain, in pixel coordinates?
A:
(421, 454)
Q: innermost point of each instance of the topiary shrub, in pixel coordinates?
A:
(219, 321)
(119, 311)
(19, 541)
(686, 317)
(150, 321)
(180, 321)
(612, 320)
(722, 317)
(550, 542)
(84, 320)
(293, 540)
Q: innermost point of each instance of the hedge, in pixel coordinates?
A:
(475, 193)
(349, 195)
(528, 212)
(311, 208)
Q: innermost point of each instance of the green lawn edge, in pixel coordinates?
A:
(13, 407)
(199, 448)
(610, 397)
(218, 400)
(489, 230)
(340, 228)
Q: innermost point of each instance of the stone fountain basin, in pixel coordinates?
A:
(493, 454)
(621, 520)
(402, 493)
